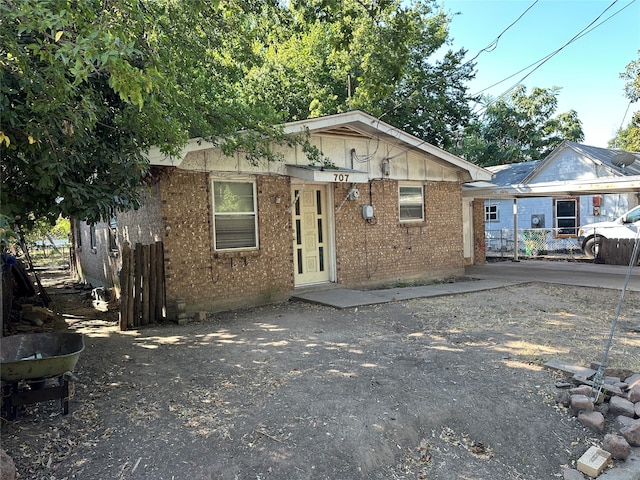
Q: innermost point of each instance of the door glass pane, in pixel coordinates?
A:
(321, 258)
(298, 233)
(296, 197)
(319, 201)
(319, 230)
(299, 261)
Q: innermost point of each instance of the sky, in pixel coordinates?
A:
(587, 70)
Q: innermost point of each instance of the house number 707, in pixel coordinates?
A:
(340, 177)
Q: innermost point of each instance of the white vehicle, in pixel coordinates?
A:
(625, 226)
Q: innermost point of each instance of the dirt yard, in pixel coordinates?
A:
(442, 388)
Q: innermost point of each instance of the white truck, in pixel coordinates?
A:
(625, 226)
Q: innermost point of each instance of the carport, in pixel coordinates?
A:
(487, 191)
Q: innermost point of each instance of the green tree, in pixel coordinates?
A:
(87, 88)
(628, 138)
(330, 56)
(519, 128)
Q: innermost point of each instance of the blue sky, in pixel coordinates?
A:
(587, 70)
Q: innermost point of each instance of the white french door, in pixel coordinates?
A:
(311, 259)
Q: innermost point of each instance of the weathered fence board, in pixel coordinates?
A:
(142, 285)
(617, 251)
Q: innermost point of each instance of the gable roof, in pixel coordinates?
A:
(513, 173)
(514, 180)
(357, 124)
(609, 157)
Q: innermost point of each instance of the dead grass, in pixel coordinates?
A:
(537, 322)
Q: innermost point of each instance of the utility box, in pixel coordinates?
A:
(537, 220)
(594, 461)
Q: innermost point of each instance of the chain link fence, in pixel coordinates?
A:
(532, 242)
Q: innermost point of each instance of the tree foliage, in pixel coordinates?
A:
(89, 86)
(330, 56)
(628, 138)
(519, 128)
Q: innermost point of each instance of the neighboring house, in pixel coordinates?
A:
(559, 215)
(237, 234)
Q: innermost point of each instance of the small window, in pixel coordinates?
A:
(92, 235)
(411, 202)
(566, 217)
(491, 213)
(234, 215)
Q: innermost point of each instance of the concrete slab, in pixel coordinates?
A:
(349, 298)
(484, 277)
(581, 274)
(577, 370)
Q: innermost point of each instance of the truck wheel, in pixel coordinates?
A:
(590, 246)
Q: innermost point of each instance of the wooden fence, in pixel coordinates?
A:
(614, 251)
(142, 285)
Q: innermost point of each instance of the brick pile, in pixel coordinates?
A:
(614, 415)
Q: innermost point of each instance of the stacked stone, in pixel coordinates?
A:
(620, 400)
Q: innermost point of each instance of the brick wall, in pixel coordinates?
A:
(211, 281)
(384, 251)
(378, 252)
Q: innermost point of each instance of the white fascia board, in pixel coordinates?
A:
(156, 157)
(374, 126)
(357, 118)
(628, 184)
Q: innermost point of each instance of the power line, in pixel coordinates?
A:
(493, 45)
(625, 114)
(546, 58)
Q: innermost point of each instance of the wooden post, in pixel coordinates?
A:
(131, 290)
(138, 282)
(124, 286)
(160, 293)
(145, 284)
(153, 282)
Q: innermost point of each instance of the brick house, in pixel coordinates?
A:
(390, 209)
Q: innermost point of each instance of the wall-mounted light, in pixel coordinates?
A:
(278, 199)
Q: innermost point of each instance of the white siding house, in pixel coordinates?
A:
(557, 217)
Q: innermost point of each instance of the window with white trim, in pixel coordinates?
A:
(235, 219)
(411, 203)
(566, 216)
(491, 213)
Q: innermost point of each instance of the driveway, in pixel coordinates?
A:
(581, 274)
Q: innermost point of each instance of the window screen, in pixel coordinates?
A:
(411, 201)
(234, 217)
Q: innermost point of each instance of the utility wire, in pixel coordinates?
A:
(489, 48)
(493, 45)
(546, 58)
(625, 114)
